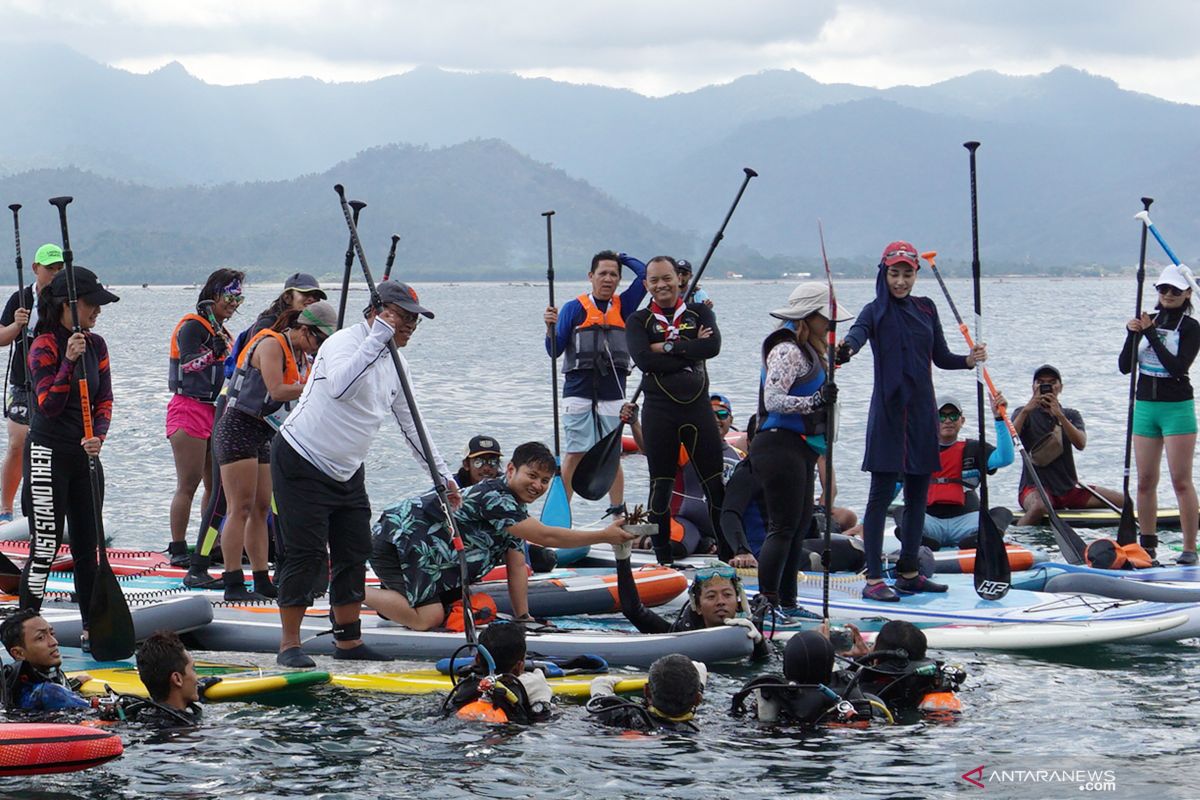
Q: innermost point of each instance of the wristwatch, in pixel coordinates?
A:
(668, 346)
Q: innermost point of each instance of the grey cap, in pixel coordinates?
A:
(403, 295)
(948, 400)
(320, 315)
(303, 282)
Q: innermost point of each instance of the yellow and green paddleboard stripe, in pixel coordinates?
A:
(430, 681)
(232, 686)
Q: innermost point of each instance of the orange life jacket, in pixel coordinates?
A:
(203, 385)
(1107, 554)
(599, 338)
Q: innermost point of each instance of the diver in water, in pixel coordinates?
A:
(36, 681)
(497, 688)
(674, 688)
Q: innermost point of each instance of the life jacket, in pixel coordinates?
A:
(778, 700)
(803, 386)
(599, 336)
(498, 700)
(1107, 554)
(203, 385)
(247, 389)
(947, 487)
(483, 611)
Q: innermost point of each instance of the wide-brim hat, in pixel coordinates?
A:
(811, 297)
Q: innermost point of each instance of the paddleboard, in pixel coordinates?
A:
(125, 680)
(429, 681)
(1168, 518)
(36, 748)
(179, 614)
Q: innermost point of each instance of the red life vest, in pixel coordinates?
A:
(946, 486)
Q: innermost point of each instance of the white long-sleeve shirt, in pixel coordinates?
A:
(351, 389)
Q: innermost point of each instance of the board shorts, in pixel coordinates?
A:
(1155, 419)
(393, 574)
(191, 416)
(581, 426)
(240, 436)
(16, 405)
(1074, 498)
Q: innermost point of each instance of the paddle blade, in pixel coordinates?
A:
(1127, 530)
(110, 627)
(598, 468)
(993, 576)
(556, 510)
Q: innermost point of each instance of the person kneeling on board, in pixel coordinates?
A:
(716, 597)
(498, 689)
(413, 554)
(674, 689)
(36, 681)
(809, 692)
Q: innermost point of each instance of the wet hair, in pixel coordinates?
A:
(673, 683)
(12, 630)
(506, 644)
(808, 658)
(605, 255)
(900, 635)
(217, 281)
(287, 319)
(534, 454)
(157, 658)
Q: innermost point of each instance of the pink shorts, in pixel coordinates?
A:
(189, 415)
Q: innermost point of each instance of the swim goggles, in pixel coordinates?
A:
(715, 569)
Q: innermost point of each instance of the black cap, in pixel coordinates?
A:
(683, 265)
(87, 287)
(403, 295)
(481, 445)
(303, 282)
(1048, 368)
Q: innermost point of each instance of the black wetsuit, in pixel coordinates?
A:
(802, 704)
(1177, 386)
(619, 712)
(156, 715)
(677, 411)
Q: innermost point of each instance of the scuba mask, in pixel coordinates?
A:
(717, 569)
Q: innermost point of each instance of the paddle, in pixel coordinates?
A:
(1069, 542)
(22, 351)
(358, 206)
(391, 259)
(830, 422)
(1127, 529)
(1144, 216)
(110, 625)
(557, 508)
(598, 467)
(439, 485)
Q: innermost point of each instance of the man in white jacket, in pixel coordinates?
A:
(318, 474)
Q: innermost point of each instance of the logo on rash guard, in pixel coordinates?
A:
(45, 540)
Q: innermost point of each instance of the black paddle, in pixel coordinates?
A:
(439, 485)
(598, 468)
(830, 422)
(1127, 529)
(22, 352)
(110, 626)
(358, 206)
(992, 573)
(391, 259)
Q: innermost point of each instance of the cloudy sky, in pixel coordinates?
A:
(651, 46)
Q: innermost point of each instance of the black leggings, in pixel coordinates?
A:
(665, 426)
(786, 466)
(883, 490)
(57, 486)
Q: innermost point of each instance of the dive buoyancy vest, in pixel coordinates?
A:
(902, 682)
(778, 700)
(600, 336)
(204, 384)
(947, 487)
(804, 385)
(499, 699)
(247, 389)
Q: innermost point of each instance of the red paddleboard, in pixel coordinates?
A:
(39, 748)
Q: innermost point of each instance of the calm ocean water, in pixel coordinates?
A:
(480, 367)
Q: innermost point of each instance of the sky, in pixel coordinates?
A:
(654, 47)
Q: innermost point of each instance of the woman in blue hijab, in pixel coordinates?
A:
(902, 427)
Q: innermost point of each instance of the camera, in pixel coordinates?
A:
(841, 638)
(1046, 388)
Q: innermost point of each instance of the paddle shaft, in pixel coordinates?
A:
(830, 417)
(1144, 216)
(22, 351)
(979, 368)
(348, 265)
(549, 215)
(1127, 530)
(391, 259)
(716, 240)
(439, 483)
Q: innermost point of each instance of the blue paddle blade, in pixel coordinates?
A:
(556, 510)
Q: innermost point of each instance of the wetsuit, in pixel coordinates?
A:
(27, 688)
(522, 699)
(677, 410)
(157, 715)
(1165, 405)
(57, 483)
(614, 711)
(906, 341)
(16, 399)
(791, 436)
(779, 701)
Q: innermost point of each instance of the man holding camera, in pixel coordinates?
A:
(1051, 434)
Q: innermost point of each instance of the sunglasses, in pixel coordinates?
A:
(722, 413)
(491, 461)
(1171, 291)
(949, 416)
(909, 254)
(232, 299)
(409, 319)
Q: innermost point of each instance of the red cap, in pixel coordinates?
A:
(900, 253)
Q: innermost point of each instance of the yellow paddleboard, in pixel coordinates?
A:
(429, 681)
(125, 680)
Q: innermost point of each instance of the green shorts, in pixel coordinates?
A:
(1155, 419)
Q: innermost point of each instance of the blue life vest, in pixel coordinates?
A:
(809, 425)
